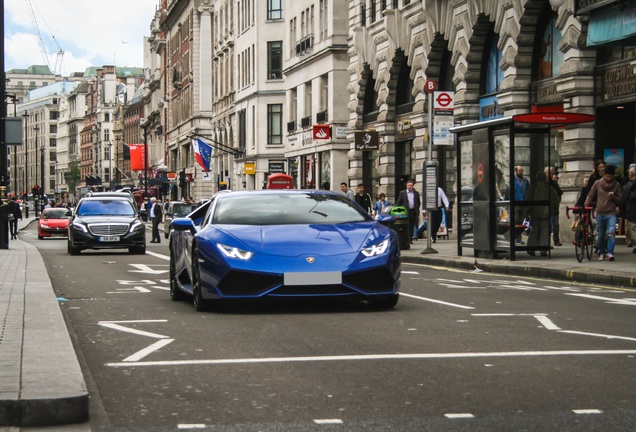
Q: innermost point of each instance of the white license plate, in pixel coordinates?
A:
(313, 278)
(109, 239)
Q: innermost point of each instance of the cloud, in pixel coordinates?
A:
(90, 33)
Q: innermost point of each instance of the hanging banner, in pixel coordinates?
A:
(137, 161)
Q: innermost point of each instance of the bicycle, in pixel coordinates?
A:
(584, 238)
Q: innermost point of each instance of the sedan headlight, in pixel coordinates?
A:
(377, 249)
(136, 225)
(80, 226)
(233, 252)
(45, 226)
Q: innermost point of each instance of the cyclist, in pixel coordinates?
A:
(606, 192)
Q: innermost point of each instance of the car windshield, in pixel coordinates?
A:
(273, 209)
(181, 210)
(105, 208)
(55, 214)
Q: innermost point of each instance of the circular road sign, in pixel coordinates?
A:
(444, 99)
(430, 85)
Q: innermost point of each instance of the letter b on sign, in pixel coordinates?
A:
(430, 86)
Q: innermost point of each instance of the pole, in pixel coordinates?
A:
(26, 162)
(429, 158)
(42, 177)
(145, 161)
(35, 180)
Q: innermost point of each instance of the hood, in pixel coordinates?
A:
(106, 219)
(293, 240)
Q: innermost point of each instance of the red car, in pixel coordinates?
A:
(53, 222)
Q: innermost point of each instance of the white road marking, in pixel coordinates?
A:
(328, 421)
(161, 288)
(546, 322)
(409, 272)
(505, 314)
(115, 325)
(372, 357)
(143, 268)
(629, 302)
(459, 416)
(587, 411)
(136, 289)
(565, 288)
(599, 335)
(157, 255)
(148, 350)
(191, 426)
(436, 301)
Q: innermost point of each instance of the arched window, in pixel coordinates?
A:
(493, 75)
(370, 106)
(404, 91)
(548, 58)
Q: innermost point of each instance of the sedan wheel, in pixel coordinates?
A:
(175, 293)
(72, 249)
(200, 304)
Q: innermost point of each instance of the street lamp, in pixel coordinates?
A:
(110, 160)
(42, 175)
(36, 199)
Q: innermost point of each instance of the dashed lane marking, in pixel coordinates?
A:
(328, 421)
(459, 415)
(191, 426)
(587, 411)
(436, 301)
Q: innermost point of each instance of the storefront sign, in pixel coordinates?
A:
(619, 82)
(322, 132)
(611, 25)
(546, 93)
(489, 108)
(367, 141)
(276, 167)
(553, 118)
(249, 168)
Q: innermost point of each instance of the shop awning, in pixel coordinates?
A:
(613, 25)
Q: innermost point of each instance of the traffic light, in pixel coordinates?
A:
(25, 195)
(36, 190)
(182, 178)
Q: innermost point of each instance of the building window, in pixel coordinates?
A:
(372, 11)
(242, 125)
(274, 60)
(494, 74)
(274, 9)
(275, 124)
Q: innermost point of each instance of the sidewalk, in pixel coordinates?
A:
(561, 265)
(41, 382)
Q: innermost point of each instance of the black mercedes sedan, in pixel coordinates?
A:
(106, 223)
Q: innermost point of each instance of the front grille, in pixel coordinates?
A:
(238, 282)
(105, 229)
(371, 281)
(312, 290)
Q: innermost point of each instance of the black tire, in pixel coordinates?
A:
(175, 293)
(72, 249)
(385, 302)
(40, 237)
(200, 304)
(591, 244)
(579, 243)
(137, 250)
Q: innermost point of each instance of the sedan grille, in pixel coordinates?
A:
(105, 229)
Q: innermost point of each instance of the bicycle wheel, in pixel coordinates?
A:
(592, 247)
(579, 242)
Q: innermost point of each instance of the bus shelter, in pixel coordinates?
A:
(497, 214)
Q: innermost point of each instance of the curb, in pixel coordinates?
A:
(579, 275)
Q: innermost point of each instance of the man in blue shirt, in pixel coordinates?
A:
(521, 187)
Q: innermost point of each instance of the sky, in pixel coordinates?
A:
(90, 32)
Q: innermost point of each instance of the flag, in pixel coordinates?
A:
(137, 157)
(203, 153)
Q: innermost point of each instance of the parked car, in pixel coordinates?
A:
(283, 243)
(176, 210)
(106, 222)
(53, 222)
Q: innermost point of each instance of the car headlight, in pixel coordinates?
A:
(233, 252)
(43, 225)
(377, 249)
(80, 226)
(135, 226)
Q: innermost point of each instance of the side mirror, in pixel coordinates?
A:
(182, 224)
(385, 219)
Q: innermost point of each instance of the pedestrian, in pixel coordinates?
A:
(628, 208)
(597, 173)
(381, 204)
(156, 215)
(439, 215)
(14, 213)
(410, 198)
(606, 193)
(521, 187)
(554, 219)
(363, 199)
(344, 187)
(541, 190)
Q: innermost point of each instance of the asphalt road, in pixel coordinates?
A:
(461, 351)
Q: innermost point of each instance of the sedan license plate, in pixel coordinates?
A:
(109, 238)
(313, 278)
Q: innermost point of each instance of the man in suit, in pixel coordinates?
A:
(156, 216)
(410, 198)
(13, 208)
